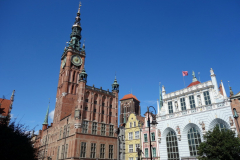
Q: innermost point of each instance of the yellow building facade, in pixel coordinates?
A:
(132, 136)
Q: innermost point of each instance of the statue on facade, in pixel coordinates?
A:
(203, 125)
(159, 133)
(199, 100)
(231, 121)
(176, 106)
(178, 130)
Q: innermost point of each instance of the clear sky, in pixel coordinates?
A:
(145, 42)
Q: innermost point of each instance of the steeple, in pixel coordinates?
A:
(75, 36)
(115, 85)
(194, 77)
(46, 117)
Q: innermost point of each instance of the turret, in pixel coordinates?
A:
(115, 85)
(214, 80)
(45, 123)
(160, 98)
(163, 90)
(83, 76)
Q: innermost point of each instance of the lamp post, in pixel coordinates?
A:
(154, 122)
(235, 115)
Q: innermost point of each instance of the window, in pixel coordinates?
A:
(207, 98)
(102, 111)
(172, 146)
(194, 141)
(134, 124)
(64, 131)
(148, 123)
(68, 129)
(130, 158)
(130, 136)
(66, 150)
(103, 129)
(95, 102)
(110, 113)
(146, 152)
(110, 106)
(110, 151)
(86, 108)
(102, 150)
(221, 126)
(86, 100)
(130, 149)
(94, 110)
(85, 127)
(145, 138)
(170, 108)
(58, 152)
(111, 131)
(137, 146)
(153, 136)
(83, 150)
(130, 124)
(62, 154)
(60, 133)
(103, 104)
(94, 128)
(93, 150)
(137, 135)
(183, 104)
(154, 152)
(192, 102)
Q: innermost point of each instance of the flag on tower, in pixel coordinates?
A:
(184, 73)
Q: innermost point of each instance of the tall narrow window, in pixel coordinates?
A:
(146, 152)
(130, 136)
(83, 150)
(130, 149)
(137, 135)
(183, 104)
(194, 141)
(110, 151)
(207, 98)
(137, 146)
(145, 138)
(94, 128)
(58, 152)
(192, 102)
(153, 136)
(85, 127)
(134, 124)
(103, 129)
(170, 108)
(60, 133)
(68, 129)
(66, 150)
(130, 124)
(102, 151)
(221, 126)
(154, 152)
(111, 131)
(93, 150)
(62, 154)
(172, 146)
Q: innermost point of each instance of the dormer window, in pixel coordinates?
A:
(191, 101)
(207, 98)
(170, 107)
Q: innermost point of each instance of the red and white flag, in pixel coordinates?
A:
(184, 73)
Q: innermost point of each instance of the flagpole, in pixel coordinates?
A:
(183, 80)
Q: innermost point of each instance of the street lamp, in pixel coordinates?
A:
(154, 123)
(235, 115)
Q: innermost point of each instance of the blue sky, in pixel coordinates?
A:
(145, 42)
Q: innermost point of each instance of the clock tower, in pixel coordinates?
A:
(72, 64)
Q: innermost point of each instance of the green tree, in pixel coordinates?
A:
(15, 141)
(219, 145)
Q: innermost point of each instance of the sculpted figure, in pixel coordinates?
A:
(159, 133)
(231, 121)
(203, 125)
(178, 130)
(199, 100)
(176, 105)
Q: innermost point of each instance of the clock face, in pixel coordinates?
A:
(76, 60)
(64, 62)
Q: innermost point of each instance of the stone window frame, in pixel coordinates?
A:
(93, 150)
(85, 127)
(207, 98)
(111, 128)
(94, 128)
(145, 138)
(172, 146)
(137, 146)
(153, 136)
(194, 140)
(103, 129)
(66, 150)
(137, 135)
(192, 102)
(110, 153)
(154, 149)
(83, 149)
(130, 136)
(183, 104)
(170, 107)
(130, 148)
(102, 150)
(146, 152)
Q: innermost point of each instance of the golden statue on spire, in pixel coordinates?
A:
(80, 4)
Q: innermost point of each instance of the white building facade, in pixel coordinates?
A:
(184, 116)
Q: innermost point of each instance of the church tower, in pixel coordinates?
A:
(86, 118)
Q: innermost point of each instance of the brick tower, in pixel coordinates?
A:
(86, 117)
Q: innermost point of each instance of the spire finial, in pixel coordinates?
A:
(80, 4)
(230, 88)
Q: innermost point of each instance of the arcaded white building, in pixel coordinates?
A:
(185, 115)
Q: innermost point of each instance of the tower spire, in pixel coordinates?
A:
(46, 117)
(75, 36)
(160, 97)
(115, 85)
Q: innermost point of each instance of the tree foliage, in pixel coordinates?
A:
(15, 141)
(220, 145)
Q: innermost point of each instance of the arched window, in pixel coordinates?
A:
(221, 126)
(172, 146)
(194, 141)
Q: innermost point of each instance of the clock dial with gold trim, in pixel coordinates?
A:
(76, 60)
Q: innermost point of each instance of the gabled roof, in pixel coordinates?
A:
(129, 96)
(4, 106)
(193, 83)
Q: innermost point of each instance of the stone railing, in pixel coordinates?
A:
(226, 102)
(188, 90)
